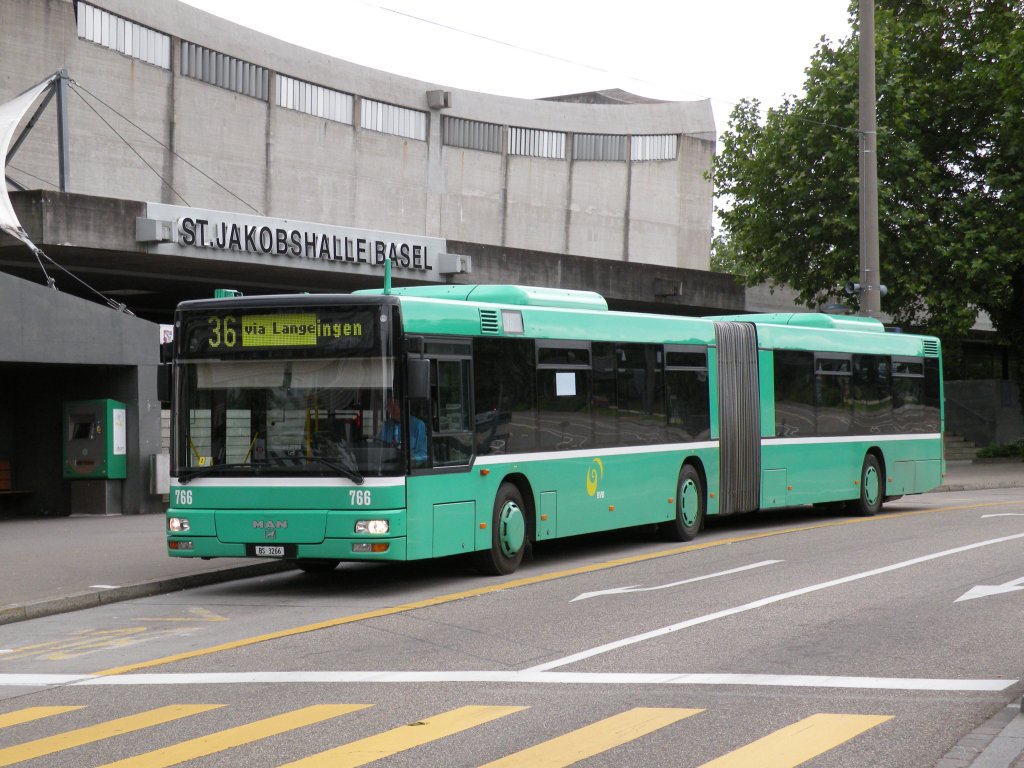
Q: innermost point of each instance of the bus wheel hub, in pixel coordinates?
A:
(511, 529)
(688, 502)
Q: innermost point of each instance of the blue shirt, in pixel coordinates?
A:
(391, 434)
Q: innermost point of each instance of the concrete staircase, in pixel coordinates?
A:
(959, 448)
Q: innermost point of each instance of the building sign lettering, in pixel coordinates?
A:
(296, 243)
(200, 233)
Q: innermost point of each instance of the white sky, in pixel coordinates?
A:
(678, 50)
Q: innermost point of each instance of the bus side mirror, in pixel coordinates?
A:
(419, 378)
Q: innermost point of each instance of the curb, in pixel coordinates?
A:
(1008, 744)
(978, 486)
(996, 743)
(10, 614)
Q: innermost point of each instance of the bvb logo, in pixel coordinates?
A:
(594, 474)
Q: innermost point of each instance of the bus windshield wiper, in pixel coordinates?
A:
(351, 474)
(191, 473)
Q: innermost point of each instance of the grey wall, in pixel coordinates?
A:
(291, 165)
(984, 411)
(71, 349)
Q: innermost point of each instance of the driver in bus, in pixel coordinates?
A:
(391, 432)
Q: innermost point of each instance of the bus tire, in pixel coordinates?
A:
(315, 566)
(690, 506)
(872, 492)
(508, 534)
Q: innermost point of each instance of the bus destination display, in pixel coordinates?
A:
(218, 333)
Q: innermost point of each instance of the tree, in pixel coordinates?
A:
(950, 83)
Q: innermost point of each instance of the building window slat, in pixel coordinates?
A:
(123, 35)
(315, 100)
(216, 68)
(471, 134)
(597, 146)
(398, 121)
(657, 147)
(532, 142)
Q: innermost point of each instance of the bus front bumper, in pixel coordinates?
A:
(328, 549)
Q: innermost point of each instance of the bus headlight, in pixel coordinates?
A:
(178, 524)
(376, 527)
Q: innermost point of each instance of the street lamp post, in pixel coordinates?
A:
(870, 281)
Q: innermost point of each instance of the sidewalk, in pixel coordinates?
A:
(983, 473)
(56, 564)
(53, 565)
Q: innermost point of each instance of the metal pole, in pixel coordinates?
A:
(63, 135)
(870, 280)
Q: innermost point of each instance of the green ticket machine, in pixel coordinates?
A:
(95, 440)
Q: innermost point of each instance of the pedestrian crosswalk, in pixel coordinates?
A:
(792, 745)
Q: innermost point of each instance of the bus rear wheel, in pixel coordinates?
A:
(871, 490)
(508, 534)
(690, 507)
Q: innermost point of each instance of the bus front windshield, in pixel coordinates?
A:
(273, 392)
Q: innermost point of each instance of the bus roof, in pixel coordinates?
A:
(516, 295)
(810, 320)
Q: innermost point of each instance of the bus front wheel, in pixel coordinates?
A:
(690, 506)
(508, 534)
(871, 489)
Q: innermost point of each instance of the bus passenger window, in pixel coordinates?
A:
(686, 392)
(794, 394)
(504, 373)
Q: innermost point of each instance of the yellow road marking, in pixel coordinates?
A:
(234, 737)
(594, 739)
(799, 742)
(539, 579)
(79, 644)
(29, 714)
(402, 738)
(198, 614)
(76, 738)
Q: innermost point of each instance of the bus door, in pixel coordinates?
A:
(449, 418)
(739, 418)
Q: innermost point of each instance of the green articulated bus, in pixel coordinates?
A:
(412, 423)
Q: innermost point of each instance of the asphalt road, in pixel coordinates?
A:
(797, 638)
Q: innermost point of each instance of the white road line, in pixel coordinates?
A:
(40, 681)
(638, 588)
(511, 676)
(760, 604)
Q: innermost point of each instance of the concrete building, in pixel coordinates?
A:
(198, 154)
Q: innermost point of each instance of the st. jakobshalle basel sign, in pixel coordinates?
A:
(176, 231)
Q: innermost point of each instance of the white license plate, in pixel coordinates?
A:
(264, 551)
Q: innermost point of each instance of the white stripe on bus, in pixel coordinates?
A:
(289, 482)
(512, 458)
(766, 441)
(590, 453)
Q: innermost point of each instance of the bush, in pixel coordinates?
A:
(1005, 451)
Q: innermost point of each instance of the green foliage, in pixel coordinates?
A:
(950, 83)
(1003, 451)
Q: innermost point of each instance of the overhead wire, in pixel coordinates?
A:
(33, 176)
(39, 254)
(76, 85)
(128, 144)
(577, 63)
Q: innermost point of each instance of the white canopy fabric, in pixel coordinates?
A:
(11, 113)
